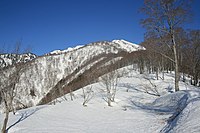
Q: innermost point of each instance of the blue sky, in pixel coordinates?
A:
(46, 25)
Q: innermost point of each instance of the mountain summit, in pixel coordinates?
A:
(120, 44)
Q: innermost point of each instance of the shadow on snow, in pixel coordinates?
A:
(24, 115)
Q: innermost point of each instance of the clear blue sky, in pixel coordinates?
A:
(46, 25)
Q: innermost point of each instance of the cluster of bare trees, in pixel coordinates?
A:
(190, 57)
(158, 58)
(169, 46)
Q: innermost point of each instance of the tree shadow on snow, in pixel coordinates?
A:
(129, 87)
(166, 104)
(170, 89)
(24, 115)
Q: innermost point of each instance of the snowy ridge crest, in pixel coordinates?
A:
(65, 51)
(121, 44)
(128, 46)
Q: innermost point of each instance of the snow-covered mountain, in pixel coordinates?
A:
(128, 45)
(10, 59)
(136, 107)
(42, 78)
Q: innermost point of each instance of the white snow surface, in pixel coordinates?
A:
(128, 46)
(66, 50)
(188, 121)
(133, 111)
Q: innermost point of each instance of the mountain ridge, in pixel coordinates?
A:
(39, 76)
(120, 41)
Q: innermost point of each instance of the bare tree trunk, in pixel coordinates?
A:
(163, 75)
(3, 130)
(191, 80)
(71, 95)
(157, 73)
(163, 69)
(171, 67)
(109, 99)
(196, 79)
(184, 77)
(176, 64)
(84, 97)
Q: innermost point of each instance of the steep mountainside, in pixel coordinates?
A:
(44, 76)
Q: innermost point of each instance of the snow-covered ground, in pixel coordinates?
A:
(134, 110)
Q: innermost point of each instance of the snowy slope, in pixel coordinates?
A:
(71, 116)
(123, 116)
(128, 45)
(189, 119)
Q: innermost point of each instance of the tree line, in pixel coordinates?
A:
(159, 57)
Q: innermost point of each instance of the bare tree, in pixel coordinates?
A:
(8, 92)
(164, 16)
(110, 81)
(72, 96)
(8, 87)
(152, 90)
(88, 94)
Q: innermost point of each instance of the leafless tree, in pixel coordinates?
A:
(72, 96)
(8, 87)
(152, 90)
(164, 16)
(110, 81)
(8, 92)
(87, 95)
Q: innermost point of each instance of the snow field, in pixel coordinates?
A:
(124, 116)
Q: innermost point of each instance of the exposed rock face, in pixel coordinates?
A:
(42, 76)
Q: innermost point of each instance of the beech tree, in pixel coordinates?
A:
(163, 17)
